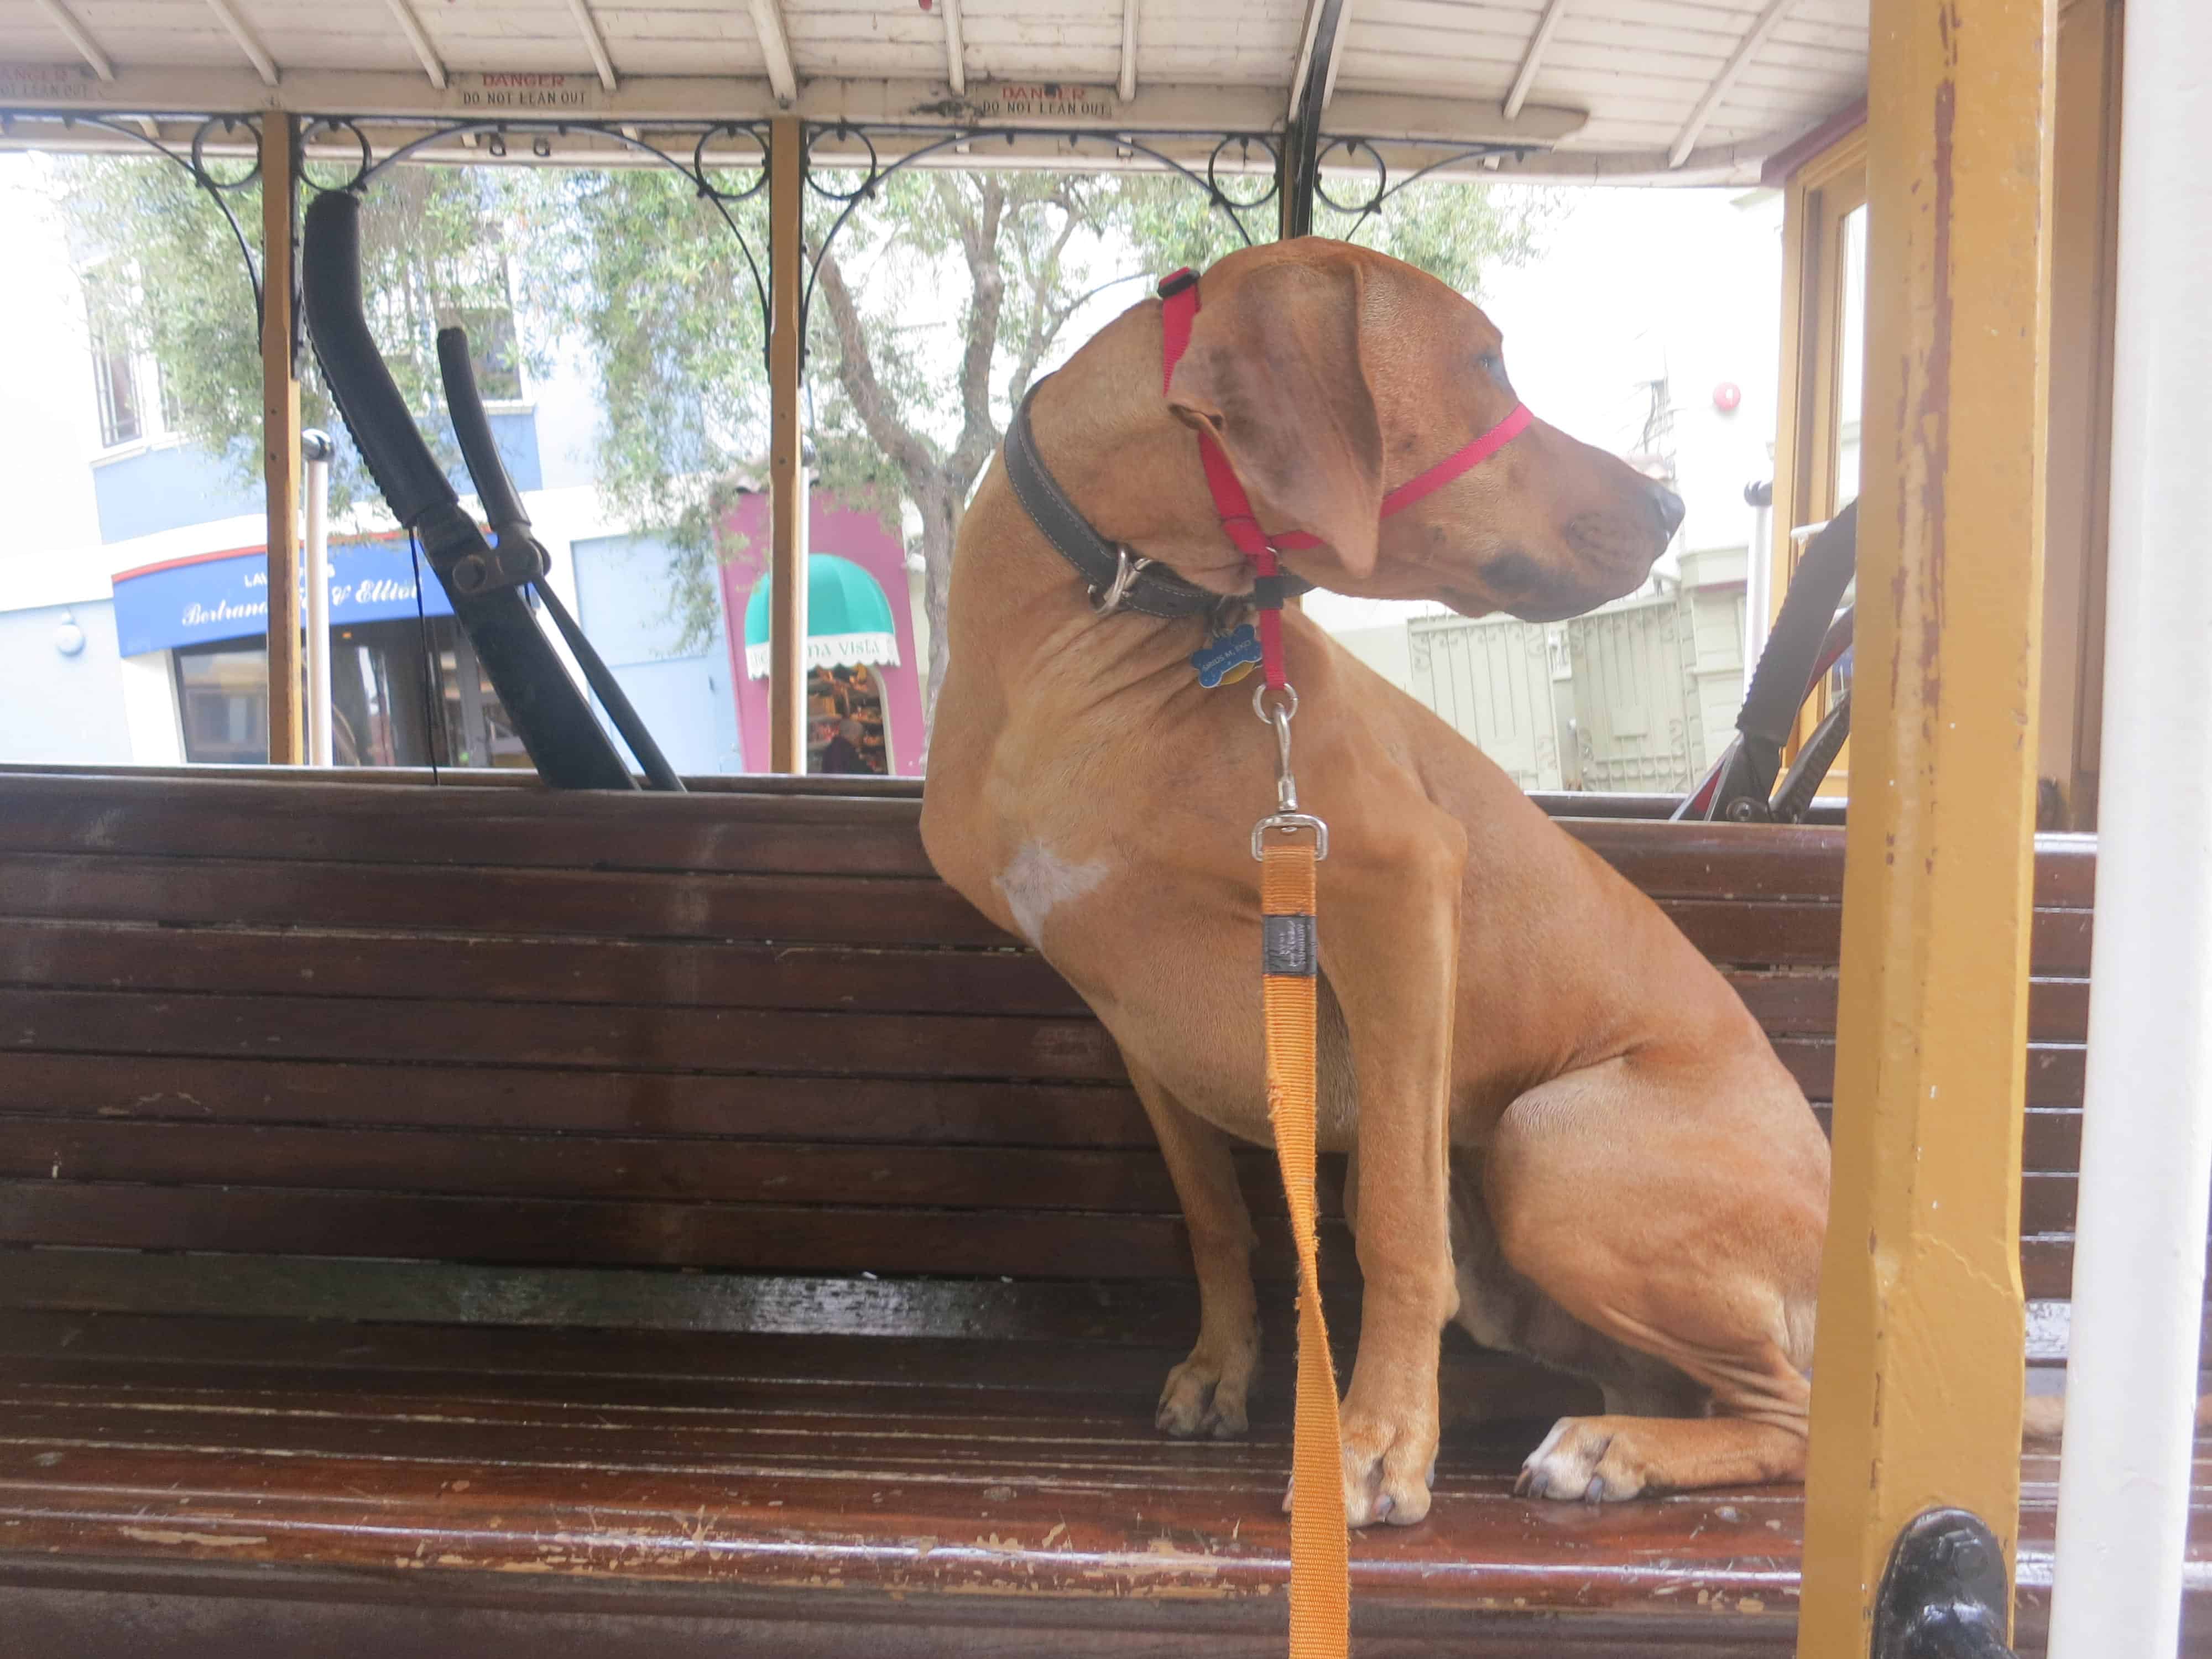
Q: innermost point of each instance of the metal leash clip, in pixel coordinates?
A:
(1127, 567)
(1286, 817)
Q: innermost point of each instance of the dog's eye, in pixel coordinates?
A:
(1492, 365)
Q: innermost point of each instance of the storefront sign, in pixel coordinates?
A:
(222, 596)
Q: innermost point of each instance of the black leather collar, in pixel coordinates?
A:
(1150, 590)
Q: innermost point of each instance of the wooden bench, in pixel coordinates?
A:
(499, 1221)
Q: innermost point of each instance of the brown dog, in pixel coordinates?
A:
(1566, 1128)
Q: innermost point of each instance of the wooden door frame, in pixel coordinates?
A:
(1823, 178)
(1819, 192)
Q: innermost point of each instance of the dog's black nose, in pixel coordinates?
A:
(1668, 506)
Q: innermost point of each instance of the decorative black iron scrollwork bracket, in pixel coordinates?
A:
(193, 159)
(701, 167)
(1378, 198)
(1121, 145)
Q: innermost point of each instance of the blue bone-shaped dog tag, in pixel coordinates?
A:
(1228, 657)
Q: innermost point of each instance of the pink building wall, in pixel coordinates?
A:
(857, 535)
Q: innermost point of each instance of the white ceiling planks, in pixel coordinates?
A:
(1642, 68)
(1716, 82)
(402, 13)
(80, 38)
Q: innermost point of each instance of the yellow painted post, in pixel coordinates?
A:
(280, 437)
(1917, 1364)
(786, 639)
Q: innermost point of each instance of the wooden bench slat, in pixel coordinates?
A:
(860, 910)
(920, 1111)
(1763, 861)
(887, 910)
(913, 1112)
(85, 1303)
(724, 1170)
(757, 826)
(383, 1032)
(1806, 932)
(1106, 1525)
(322, 822)
(555, 1317)
(2055, 1071)
(328, 962)
(1802, 1003)
(373, 1032)
(333, 963)
(759, 1238)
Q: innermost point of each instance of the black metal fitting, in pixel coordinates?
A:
(513, 563)
(1945, 1594)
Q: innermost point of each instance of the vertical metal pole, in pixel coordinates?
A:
(1311, 77)
(1918, 1385)
(316, 446)
(786, 639)
(280, 433)
(2146, 1127)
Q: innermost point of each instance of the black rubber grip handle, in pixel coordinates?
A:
(502, 508)
(1778, 686)
(375, 413)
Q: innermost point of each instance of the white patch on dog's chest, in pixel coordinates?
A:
(1038, 882)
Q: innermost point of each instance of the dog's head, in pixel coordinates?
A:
(1330, 373)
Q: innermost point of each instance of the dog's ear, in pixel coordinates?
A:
(1273, 373)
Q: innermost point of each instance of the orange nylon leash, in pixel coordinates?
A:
(1321, 1589)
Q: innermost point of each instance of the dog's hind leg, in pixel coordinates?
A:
(1677, 1208)
(1205, 1394)
(1504, 1310)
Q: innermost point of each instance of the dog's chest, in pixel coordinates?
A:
(1037, 881)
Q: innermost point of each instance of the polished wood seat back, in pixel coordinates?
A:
(747, 1031)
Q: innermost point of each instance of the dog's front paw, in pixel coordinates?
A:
(1204, 1397)
(1587, 1459)
(1389, 1462)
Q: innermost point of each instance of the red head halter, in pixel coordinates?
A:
(1178, 310)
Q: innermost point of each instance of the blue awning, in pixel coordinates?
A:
(224, 596)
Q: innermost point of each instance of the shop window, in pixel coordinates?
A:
(475, 726)
(378, 695)
(223, 703)
(846, 728)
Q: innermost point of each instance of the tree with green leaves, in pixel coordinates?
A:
(164, 277)
(942, 296)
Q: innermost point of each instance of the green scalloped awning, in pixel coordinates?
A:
(848, 619)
